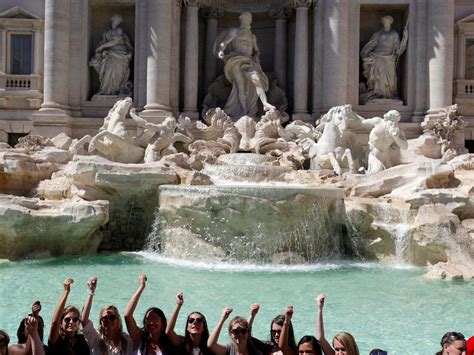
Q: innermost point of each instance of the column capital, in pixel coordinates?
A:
(302, 3)
(281, 13)
(192, 3)
(211, 12)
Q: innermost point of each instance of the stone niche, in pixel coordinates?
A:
(370, 22)
(100, 13)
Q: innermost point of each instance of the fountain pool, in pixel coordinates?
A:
(385, 306)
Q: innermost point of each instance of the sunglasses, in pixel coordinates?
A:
(69, 320)
(305, 352)
(195, 320)
(110, 317)
(239, 330)
(275, 331)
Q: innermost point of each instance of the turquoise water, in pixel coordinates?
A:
(383, 306)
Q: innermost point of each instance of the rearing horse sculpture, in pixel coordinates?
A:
(331, 150)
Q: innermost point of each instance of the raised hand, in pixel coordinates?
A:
(226, 312)
(180, 298)
(36, 308)
(320, 300)
(142, 279)
(92, 284)
(289, 311)
(31, 324)
(254, 308)
(67, 284)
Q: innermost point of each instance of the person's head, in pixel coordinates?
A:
(239, 330)
(377, 352)
(452, 343)
(22, 334)
(309, 345)
(196, 326)
(116, 20)
(4, 341)
(245, 18)
(392, 115)
(276, 328)
(387, 21)
(154, 322)
(110, 321)
(345, 344)
(70, 321)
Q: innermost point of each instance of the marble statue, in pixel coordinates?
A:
(237, 47)
(159, 138)
(379, 60)
(112, 60)
(384, 134)
(113, 141)
(331, 151)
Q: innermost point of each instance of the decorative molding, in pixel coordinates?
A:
(281, 13)
(302, 3)
(211, 12)
(17, 12)
(252, 6)
(192, 3)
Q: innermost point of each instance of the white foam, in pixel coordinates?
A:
(212, 265)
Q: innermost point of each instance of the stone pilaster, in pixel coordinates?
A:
(301, 72)
(281, 16)
(440, 42)
(53, 117)
(38, 64)
(335, 52)
(159, 60)
(191, 59)
(3, 46)
(212, 15)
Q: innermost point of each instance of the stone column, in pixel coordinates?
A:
(38, 64)
(301, 73)
(281, 16)
(335, 53)
(3, 57)
(440, 42)
(159, 61)
(53, 117)
(191, 59)
(211, 14)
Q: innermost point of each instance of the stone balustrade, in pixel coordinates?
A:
(465, 89)
(21, 91)
(13, 82)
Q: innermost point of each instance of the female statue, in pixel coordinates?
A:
(112, 60)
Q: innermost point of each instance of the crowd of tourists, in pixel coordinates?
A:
(156, 335)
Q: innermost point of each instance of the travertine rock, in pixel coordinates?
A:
(30, 227)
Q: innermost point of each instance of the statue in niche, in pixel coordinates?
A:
(380, 58)
(237, 47)
(112, 60)
(384, 134)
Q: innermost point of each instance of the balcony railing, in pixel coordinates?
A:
(11, 82)
(465, 89)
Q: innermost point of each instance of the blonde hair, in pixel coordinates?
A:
(348, 341)
(103, 338)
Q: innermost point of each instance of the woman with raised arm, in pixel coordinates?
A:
(196, 333)
(151, 339)
(282, 334)
(239, 333)
(342, 342)
(33, 336)
(110, 338)
(64, 338)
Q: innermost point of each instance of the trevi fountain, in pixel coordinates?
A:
(249, 198)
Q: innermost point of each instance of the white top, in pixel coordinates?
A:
(93, 339)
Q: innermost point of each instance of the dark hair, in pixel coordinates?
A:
(449, 338)
(204, 336)
(21, 333)
(314, 343)
(280, 320)
(4, 338)
(164, 341)
(250, 345)
(378, 352)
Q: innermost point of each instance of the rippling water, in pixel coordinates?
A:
(385, 306)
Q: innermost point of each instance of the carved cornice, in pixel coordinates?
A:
(192, 3)
(252, 6)
(281, 13)
(211, 12)
(302, 3)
